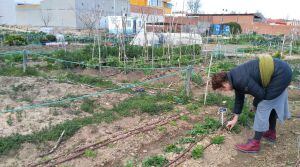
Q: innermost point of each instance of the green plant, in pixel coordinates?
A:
(197, 152)
(184, 118)
(9, 120)
(173, 148)
(197, 78)
(173, 123)
(235, 28)
(129, 163)
(162, 129)
(18, 72)
(155, 161)
(236, 129)
(208, 126)
(187, 140)
(94, 81)
(217, 140)
(221, 66)
(52, 133)
(88, 105)
(193, 106)
(90, 153)
(51, 38)
(19, 116)
(15, 40)
(198, 129)
(144, 103)
(277, 55)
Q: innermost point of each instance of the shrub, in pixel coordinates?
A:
(15, 40)
(235, 28)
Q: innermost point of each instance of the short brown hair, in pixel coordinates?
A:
(218, 80)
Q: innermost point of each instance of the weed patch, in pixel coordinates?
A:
(155, 161)
(197, 152)
(217, 140)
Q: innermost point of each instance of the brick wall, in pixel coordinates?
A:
(246, 21)
(146, 10)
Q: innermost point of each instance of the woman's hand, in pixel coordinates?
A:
(232, 123)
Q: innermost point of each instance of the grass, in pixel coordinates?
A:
(218, 140)
(193, 106)
(184, 118)
(173, 148)
(145, 104)
(88, 106)
(52, 133)
(197, 152)
(173, 123)
(197, 78)
(18, 71)
(90, 153)
(245, 118)
(162, 129)
(218, 99)
(155, 161)
(61, 105)
(89, 80)
(187, 140)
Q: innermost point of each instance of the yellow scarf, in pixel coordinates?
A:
(266, 68)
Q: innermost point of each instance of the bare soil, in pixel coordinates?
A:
(16, 92)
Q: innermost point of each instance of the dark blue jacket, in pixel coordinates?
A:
(245, 79)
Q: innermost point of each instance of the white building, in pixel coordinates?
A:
(60, 13)
(7, 12)
(114, 24)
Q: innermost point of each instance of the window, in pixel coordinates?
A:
(153, 2)
(82, 4)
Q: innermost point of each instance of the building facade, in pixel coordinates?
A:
(253, 22)
(7, 12)
(80, 14)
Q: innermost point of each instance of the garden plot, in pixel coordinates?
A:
(135, 148)
(16, 91)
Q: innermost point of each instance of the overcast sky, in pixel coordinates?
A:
(269, 8)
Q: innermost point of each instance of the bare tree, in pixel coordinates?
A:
(90, 17)
(46, 17)
(194, 6)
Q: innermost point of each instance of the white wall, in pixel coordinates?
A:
(86, 7)
(28, 15)
(61, 12)
(7, 12)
